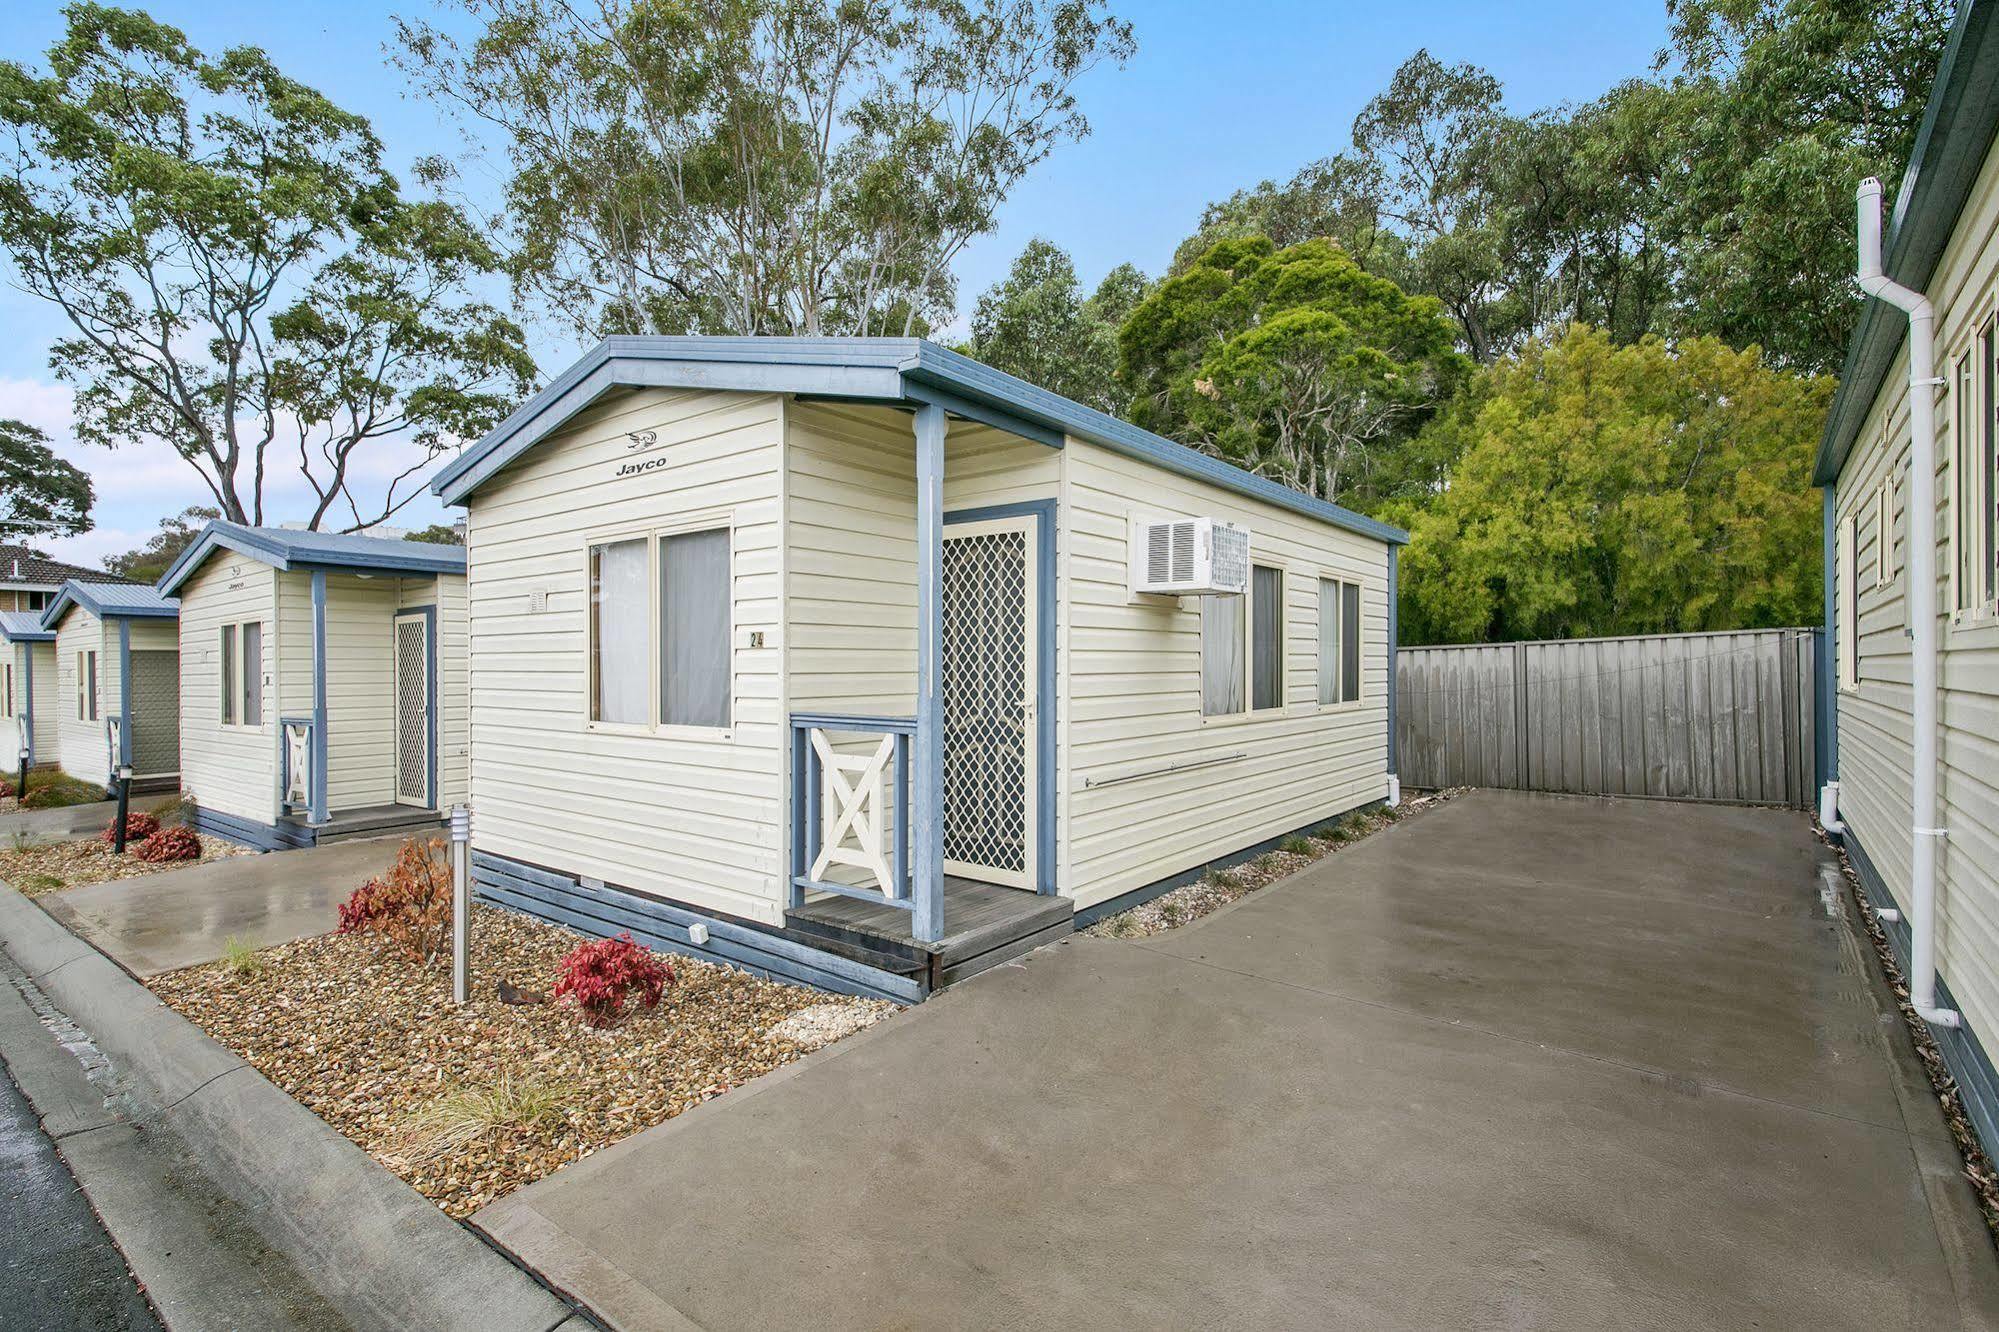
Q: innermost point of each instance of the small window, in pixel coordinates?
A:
(38, 601)
(1884, 531)
(619, 616)
(1847, 624)
(694, 596)
(91, 695)
(1223, 621)
(253, 674)
(1339, 641)
(1267, 646)
(10, 689)
(228, 675)
(1988, 419)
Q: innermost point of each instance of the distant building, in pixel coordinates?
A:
(29, 582)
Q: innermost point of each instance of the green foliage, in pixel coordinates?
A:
(40, 494)
(759, 166)
(1294, 363)
(439, 534)
(244, 279)
(148, 562)
(1621, 490)
(1037, 324)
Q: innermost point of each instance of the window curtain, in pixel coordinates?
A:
(694, 595)
(1329, 641)
(619, 615)
(1221, 654)
(228, 674)
(1267, 666)
(253, 674)
(1349, 642)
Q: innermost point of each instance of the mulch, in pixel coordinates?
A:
(368, 1039)
(53, 866)
(1216, 890)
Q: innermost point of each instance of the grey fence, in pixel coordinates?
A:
(1724, 717)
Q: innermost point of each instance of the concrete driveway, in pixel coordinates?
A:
(65, 821)
(180, 918)
(1523, 1061)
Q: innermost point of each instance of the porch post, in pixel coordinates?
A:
(927, 860)
(124, 754)
(318, 812)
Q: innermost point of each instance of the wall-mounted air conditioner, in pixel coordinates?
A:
(1190, 557)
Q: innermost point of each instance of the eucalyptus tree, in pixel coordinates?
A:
(40, 493)
(757, 166)
(241, 277)
(1037, 323)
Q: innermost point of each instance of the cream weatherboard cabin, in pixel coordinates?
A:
(1912, 446)
(117, 684)
(322, 683)
(27, 692)
(859, 662)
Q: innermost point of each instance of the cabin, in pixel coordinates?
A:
(1909, 471)
(27, 691)
(857, 662)
(322, 686)
(117, 684)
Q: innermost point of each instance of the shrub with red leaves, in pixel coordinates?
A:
(175, 843)
(6, 788)
(139, 825)
(410, 906)
(601, 975)
(362, 906)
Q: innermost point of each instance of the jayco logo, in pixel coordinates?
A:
(645, 465)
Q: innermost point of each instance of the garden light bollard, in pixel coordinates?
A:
(21, 786)
(461, 906)
(124, 803)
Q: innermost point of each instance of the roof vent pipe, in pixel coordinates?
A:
(1921, 590)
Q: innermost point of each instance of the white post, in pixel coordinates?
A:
(927, 799)
(461, 906)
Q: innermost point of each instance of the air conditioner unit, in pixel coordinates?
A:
(1190, 557)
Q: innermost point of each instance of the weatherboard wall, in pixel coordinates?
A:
(228, 769)
(1874, 728)
(81, 747)
(37, 704)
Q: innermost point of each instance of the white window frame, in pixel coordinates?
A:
(1884, 529)
(86, 684)
(1249, 640)
(1339, 583)
(235, 683)
(10, 686)
(1846, 604)
(722, 520)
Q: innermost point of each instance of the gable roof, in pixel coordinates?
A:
(900, 371)
(19, 565)
(1951, 147)
(283, 548)
(110, 601)
(24, 627)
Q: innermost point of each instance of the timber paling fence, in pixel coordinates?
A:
(1728, 717)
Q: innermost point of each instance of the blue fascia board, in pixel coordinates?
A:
(902, 371)
(74, 593)
(24, 627)
(285, 550)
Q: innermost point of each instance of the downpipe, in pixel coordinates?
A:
(1394, 791)
(1924, 829)
(1829, 809)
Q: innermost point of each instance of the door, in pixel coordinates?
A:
(155, 712)
(415, 719)
(988, 687)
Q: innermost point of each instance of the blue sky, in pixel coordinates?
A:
(1217, 98)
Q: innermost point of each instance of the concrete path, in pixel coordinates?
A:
(179, 918)
(1522, 1061)
(67, 821)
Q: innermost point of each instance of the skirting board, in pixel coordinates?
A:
(1963, 1053)
(248, 832)
(1110, 906)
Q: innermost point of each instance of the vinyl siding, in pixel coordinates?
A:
(150, 635)
(1874, 719)
(230, 769)
(360, 680)
(694, 816)
(80, 744)
(447, 594)
(1132, 688)
(41, 707)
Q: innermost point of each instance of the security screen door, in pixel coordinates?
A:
(988, 688)
(413, 719)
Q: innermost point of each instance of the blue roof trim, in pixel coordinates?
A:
(283, 548)
(110, 601)
(894, 370)
(24, 627)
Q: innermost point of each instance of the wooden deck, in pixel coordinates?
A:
(984, 924)
(372, 821)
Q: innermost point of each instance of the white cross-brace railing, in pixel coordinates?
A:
(297, 777)
(850, 808)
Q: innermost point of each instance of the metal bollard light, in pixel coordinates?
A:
(124, 803)
(461, 905)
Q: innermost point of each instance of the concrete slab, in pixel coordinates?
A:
(1332, 1105)
(181, 918)
(56, 825)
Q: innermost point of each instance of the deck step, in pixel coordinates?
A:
(984, 925)
(380, 821)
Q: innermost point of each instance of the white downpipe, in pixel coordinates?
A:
(1924, 830)
(1394, 790)
(1829, 809)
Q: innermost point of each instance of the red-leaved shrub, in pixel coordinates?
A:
(600, 975)
(6, 788)
(175, 843)
(139, 825)
(410, 906)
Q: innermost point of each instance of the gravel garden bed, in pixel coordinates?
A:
(53, 866)
(467, 1105)
(1221, 887)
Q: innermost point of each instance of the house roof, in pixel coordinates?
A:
(1951, 147)
(24, 627)
(110, 601)
(283, 548)
(902, 371)
(21, 566)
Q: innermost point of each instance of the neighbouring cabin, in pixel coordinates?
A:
(859, 662)
(117, 658)
(1944, 241)
(322, 683)
(27, 691)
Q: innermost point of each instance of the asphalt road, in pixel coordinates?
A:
(58, 1269)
